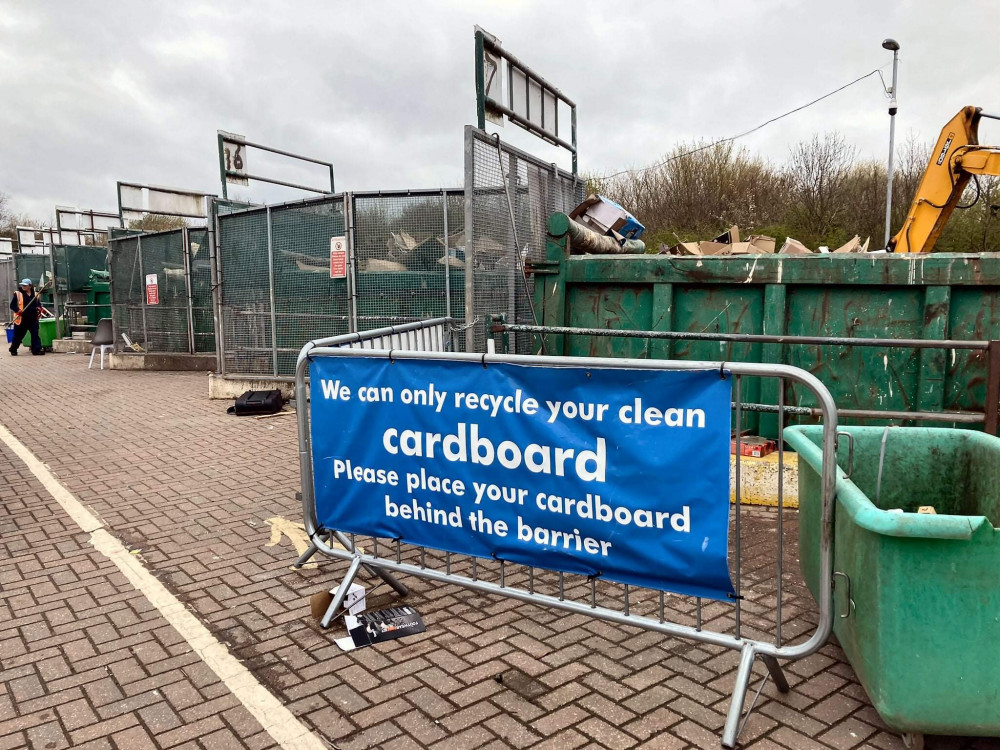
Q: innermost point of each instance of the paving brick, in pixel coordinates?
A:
(223, 739)
(159, 718)
(652, 724)
(607, 735)
(49, 736)
(76, 714)
(419, 726)
(135, 738)
(565, 740)
(848, 734)
(557, 721)
(191, 492)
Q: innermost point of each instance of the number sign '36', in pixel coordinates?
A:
(235, 156)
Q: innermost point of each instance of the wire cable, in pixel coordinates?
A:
(877, 71)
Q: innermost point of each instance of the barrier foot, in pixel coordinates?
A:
(398, 587)
(776, 673)
(731, 729)
(338, 598)
(305, 556)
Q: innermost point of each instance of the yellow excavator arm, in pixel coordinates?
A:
(956, 158)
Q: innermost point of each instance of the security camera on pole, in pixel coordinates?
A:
(891, 44)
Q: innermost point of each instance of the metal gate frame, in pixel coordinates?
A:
(366, 345)
(517, 228)
(353, 320)
(188, 307)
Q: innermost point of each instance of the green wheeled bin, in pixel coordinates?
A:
(46, 333)
(917, 596)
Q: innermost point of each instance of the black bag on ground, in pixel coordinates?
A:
(257, 402)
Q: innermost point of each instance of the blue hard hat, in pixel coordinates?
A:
(25, 282)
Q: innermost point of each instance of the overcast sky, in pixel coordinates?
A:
(95, 92)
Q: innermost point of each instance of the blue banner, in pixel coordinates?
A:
(622, 474)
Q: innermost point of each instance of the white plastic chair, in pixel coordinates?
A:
(103, 339)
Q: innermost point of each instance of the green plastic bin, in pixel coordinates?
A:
(923, 633)
(46, 333)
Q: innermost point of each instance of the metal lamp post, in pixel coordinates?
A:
(893, 45)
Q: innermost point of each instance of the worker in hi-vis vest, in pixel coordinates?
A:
(27, 309)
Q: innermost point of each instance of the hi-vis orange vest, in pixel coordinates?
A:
(20, 307)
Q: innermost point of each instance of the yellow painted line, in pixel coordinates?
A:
(278, 721)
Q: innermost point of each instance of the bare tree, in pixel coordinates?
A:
(156, 223)
(819, 171)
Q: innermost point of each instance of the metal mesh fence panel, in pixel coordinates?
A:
(126, 286)
(166, 321)
(509, 196)
(73, 265)
(200, 266)
(308, 303)
(245, 292)
(409, 255)
(34, 267)
(400, 251)
(8, 281)
(224, 206)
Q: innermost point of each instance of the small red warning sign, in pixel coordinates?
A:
(338, 258)
(152, 290)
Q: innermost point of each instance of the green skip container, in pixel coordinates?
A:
(917, 596)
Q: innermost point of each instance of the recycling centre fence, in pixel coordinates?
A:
(406, 256)
(509, 195)
(161, 290)
(595, 486)
(293, 272)
(34, 267)
(8, 279)
(81, 289)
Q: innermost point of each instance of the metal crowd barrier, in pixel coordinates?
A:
(433, 335)
(989, 417)
(753, 623)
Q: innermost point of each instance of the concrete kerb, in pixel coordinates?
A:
(161, 361)
(228, 388)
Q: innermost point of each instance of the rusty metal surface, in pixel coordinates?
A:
(937, 296)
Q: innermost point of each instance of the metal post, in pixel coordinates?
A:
(737, 482)
(338, 598)
(781, 507)
(142, 292)
(743, 673)
(573, 136)
(447, 256)
(352, 265)
(111, 293)
(480, 81)
(185, 249)
(470, 241)
(215, 275)
(55, 282)
(270, 278)
(894, 46)
(222, 169)
(512, 241)
(992, 407)
(331, 179)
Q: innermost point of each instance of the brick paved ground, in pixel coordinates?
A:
(85, 660)
(191, 488)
